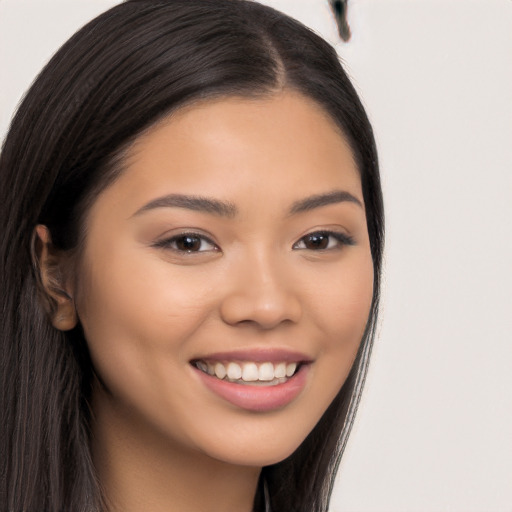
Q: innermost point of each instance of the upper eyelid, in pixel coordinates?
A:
(187, 231)
(327, 231)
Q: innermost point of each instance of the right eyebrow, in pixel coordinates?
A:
(196, 203)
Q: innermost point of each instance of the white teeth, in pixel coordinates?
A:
(220, 371)
(250, 372)
(234, 371)
(266, 372)
(280, 371)
(290, 369)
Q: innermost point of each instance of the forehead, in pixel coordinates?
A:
(282, 146)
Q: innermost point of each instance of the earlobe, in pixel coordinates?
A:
(66, 319)
(49, 263)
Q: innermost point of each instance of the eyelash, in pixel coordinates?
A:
(341, 240)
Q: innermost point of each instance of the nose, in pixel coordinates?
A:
(260, 293)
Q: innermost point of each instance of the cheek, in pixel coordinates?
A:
(135, 291)
(342, 304)
(342, 314)
(136, 315)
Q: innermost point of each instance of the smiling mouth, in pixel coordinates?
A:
(249, 372)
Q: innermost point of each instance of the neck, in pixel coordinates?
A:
(140, 469)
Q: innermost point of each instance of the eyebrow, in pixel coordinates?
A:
(310, 203)
(196, 203)
(228, 209)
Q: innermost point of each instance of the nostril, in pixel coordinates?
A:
(248, 312)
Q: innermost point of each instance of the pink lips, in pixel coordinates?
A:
(257, 398)
(252, 397)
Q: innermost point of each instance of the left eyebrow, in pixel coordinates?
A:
(312, 202)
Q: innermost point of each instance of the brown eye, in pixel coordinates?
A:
(187, 243)
(323, 240)
(316, 241)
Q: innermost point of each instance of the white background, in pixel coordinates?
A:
(434, 432)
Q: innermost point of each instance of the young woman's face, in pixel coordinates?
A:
(235, 241)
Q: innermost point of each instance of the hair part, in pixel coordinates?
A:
(116, 77)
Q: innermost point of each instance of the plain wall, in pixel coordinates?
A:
(434, 431)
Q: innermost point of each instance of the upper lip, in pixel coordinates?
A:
(258, 355)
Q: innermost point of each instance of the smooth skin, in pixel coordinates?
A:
(152, 300)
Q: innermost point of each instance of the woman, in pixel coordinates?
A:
(192, 235)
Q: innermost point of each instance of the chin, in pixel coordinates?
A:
(264, 449)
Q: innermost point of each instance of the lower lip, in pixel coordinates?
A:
(257, 398)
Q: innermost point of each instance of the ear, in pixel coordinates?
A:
(49, 263)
